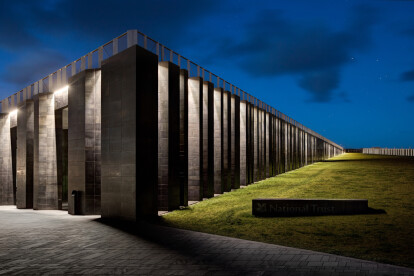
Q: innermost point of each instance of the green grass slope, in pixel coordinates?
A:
(387, 182)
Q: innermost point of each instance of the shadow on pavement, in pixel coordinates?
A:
(191, 248)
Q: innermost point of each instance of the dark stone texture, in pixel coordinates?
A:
(13, 136)
(226, 173)
(45, 186)
(129, 134)
(242, 149)
(6, 168)
(208, 140)
(84, 140)
(168, 136)
(235, 142)
(183, 164)
(62, 156)
(215, 140)
(195, 139)
(24, 163)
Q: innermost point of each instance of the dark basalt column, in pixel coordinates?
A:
(129, 134)
(243, 148)
(24, 164)
(45, 186)
(84, 141)
(208, 140)
(6, 167)
(215, 140)
(226, 116)
(168, 136)
(235, 142)
(183, 170)
(195, 139)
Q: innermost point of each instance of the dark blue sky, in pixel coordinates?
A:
(343, 68)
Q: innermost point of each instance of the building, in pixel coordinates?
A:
(133, 128)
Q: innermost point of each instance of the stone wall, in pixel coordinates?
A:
(84, 141)
(45, 188)
(25, 143)
(129, 135)
(6, 172)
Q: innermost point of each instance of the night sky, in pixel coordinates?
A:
(343, 68)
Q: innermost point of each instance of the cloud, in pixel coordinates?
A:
(14, 29)
(274, 46)
(320, 84)
(407, 76)
(344, 96)
(104, 19)
(28, 27)
(33, 66)
(95, 19)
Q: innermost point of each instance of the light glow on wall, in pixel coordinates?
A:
(13, 113)
(63, 89)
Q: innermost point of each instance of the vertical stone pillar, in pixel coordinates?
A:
(129, 134)
(24, 166)
(271, 145)
(45, 186)
(6, 170)
(208, 139)
(319, 149)
(305, 140)
(302, 148)
(13, 142)
(168, 136)
(250, 143)
(61, 130)
(278, 146)
(267, 145)
(225, 142)
(260, 140)
(249, 146)
(195, 139)
(217, 140)
(84, 141)
(255, 145)
(183, 171)
(296, 147)
(292, 147)
(235, 138)
(275, 145)
(243, 142)
(285, 146)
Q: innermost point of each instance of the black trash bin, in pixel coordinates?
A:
(74, 203)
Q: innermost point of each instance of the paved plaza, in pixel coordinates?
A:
(53, 242)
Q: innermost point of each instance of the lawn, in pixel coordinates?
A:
(386, 181)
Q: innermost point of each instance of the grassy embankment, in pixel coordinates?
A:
(387, 182)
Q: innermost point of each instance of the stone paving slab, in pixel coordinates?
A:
(55, 243)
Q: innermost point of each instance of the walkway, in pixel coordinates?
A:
(53, 242)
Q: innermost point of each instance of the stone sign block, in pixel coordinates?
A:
(284, 207)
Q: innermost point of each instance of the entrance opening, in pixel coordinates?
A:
(61, 120)
(13, 136)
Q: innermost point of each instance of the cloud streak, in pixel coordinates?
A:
(315, 54)
(407, 76)
(32, 67)
(27, 27)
